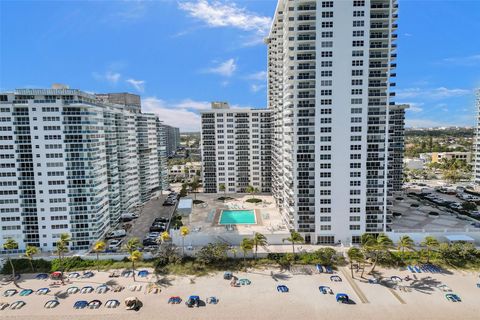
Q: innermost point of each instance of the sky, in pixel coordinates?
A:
(180, 55)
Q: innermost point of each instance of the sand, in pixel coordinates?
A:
(261, 300)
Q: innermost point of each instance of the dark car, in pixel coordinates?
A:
(149, 242)
(157, 228)
(170, 202)
(161, 219)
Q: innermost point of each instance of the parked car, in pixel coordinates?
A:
(169, 202)
(158, 228)
(149, 242)
(116, 234)
(114, 244)
(161, 219)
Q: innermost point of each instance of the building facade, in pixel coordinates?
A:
(338, 134)
(72, 162)
(236, 149)
(476, 167)
(172, 139)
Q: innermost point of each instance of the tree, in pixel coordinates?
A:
(62, 248)
(134, 257)
(234, 251)
(98, 247)
(295, 237)
(430, 243)
(354, 254)
(469, 206)
(221, 187)
(212, 253)
(183, 191)
(259, 240)
(132, 246)
(375, 246)
(165, 236)
(184, 231)
(10, 245)
(252, 190)
(194, 185)
(246, 245)
(30, 251)
(405, 243)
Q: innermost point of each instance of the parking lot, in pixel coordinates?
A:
(149, 212)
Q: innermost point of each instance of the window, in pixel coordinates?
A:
(357, 43)
(357, 91)
(357, 63)
(357, 82)
(327, 34)
(358, 13)
(327, 14)
(358, 33)
(327, 4)
(327, 54)
(327, 24)
(354, 219)
(325, 219)
(358, 23)
(357, 53)
(327, 63)
(357, 72)
(359, 3)
(355, 227)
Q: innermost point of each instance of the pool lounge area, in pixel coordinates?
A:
(237, 217)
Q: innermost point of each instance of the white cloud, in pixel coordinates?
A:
(464, 61)
(260, 76)
(221, 14)
(257, 87)
(225, 69)
(181, 114)
(414, 106)
(436, 93)
(109, 76)
(139, 85)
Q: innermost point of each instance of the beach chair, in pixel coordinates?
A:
(143, 273)
(411, 269)
(73, 290)
(94, 304)
(212, 300)
(10, 292)
(342, 297)
(174, 300)
(112, 304)
(50, 304)
(25, 292)
(86, 289)
(417, 269)
(80, 304)
(102, 289)
(41, 276)
(42, 291)
(132, 288)
(3, 305)
(319, 268)
(17, 305)
(282, 288)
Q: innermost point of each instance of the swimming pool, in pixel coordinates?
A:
(237, 217)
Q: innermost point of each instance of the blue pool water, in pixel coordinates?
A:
(237, 217)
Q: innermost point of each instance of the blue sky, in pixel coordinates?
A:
(179, 55)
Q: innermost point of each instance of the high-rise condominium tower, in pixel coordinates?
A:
(477, 142)
(338, 136)
(73, 162)
(236, 149)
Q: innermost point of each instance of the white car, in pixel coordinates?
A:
(114, 244)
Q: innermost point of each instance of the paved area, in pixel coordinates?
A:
(151, 210)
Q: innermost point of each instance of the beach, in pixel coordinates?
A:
(260, 299)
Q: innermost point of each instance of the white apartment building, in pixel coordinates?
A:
(338, 136)
(72, 162)
(236, 149)
(477, 142)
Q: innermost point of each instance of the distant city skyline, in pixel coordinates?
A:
(179, 56)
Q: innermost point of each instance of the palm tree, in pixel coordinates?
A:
(132, 247)
(221, 187)
(98, 247)
(234, 251)
(134, 257)
(376, 245)
(295, 237)
(430, 243)
(246, 245)
(194, 185)
(405, 243)
(184, 231)
(165, 236)
(9, 245)
(259, 240)
(250, 189)
(30, 251)
(354, 254)
(62, 248)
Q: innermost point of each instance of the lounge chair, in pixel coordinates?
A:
(411, 269)
(396, 279)
(86, 289)
(373, 281)
(94, 304)
(417, 269)
(117, 288)
(453, 297)
(325, 290)
(73, 290)
(342, 297)
(10, 293)
(17, 305)
(335, 279)
(25, 292)
(42, 291)
(4, 305)
(193, 301)
(73, 275)
(212, 300)
(50, 304)
(88, 274)
(102, 288)
(282, 288)
(444, 288)
(328, 269)
(127, 273)
(174, 300)
(244, 282)
(111, 304)
(143, 273)
(114, 274)
(227, 275)
(319, 268)
(41, 276)
(80, 304)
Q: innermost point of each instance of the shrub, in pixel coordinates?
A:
(23, 266)
(253, 200)
(198, 201)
